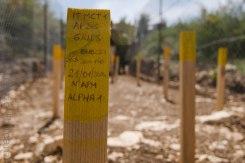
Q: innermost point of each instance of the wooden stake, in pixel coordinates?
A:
(166, 57)
(138, 68)
(86, 86)
(187, 95)
(222, 59)
(57, 72)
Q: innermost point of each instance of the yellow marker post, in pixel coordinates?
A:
(57, 72)
(222, 59)
(187, 52)
(86, 86)
(166, 57)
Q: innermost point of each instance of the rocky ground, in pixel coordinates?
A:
(143, 127)
(14, 73)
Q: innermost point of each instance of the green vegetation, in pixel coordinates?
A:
(240, 64)
(224, 27)
(22, 27)
(22, 32)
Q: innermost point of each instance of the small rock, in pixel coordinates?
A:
(114, 156)
(171, 158)
(23, 156)
(230, 67)
(18, 147)
(175, 147)
(33, 139)
(239, 154)
(217, 159)
(121, 118)
(152, 143)
(237, 147)
(218, 145)
(215, 116)
(238, 109)
(50, 159)
(156, 126)
(44, 115)
(49, 145)
(237, 136)
(159, 157)
(202, 76)
(126, 139)
(214, 159)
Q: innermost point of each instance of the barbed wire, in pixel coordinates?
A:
(222, 41)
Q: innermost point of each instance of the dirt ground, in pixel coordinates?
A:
(143, 127)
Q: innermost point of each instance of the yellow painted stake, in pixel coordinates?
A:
(166, 57)
(187, 95)
(138, 73)
(57, 72)
(86, 86)
(222, 59)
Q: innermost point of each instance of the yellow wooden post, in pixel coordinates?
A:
(86, 86)
(57, 72)
(187, 95)
(222, 59)
(138, 68)
(166, 57)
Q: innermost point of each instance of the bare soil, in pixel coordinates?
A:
(141, 113)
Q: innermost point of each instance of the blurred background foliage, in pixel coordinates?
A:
(223, 27)
(22, 26)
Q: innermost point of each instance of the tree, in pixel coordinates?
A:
(123, 33)
(143, 27)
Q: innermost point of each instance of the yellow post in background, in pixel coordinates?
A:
(187, 52)
(222, 59)
(166, 60)
(86, 86)
(57, 72)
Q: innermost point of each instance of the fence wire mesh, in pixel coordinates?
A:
(158, 24)
(28, 29)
